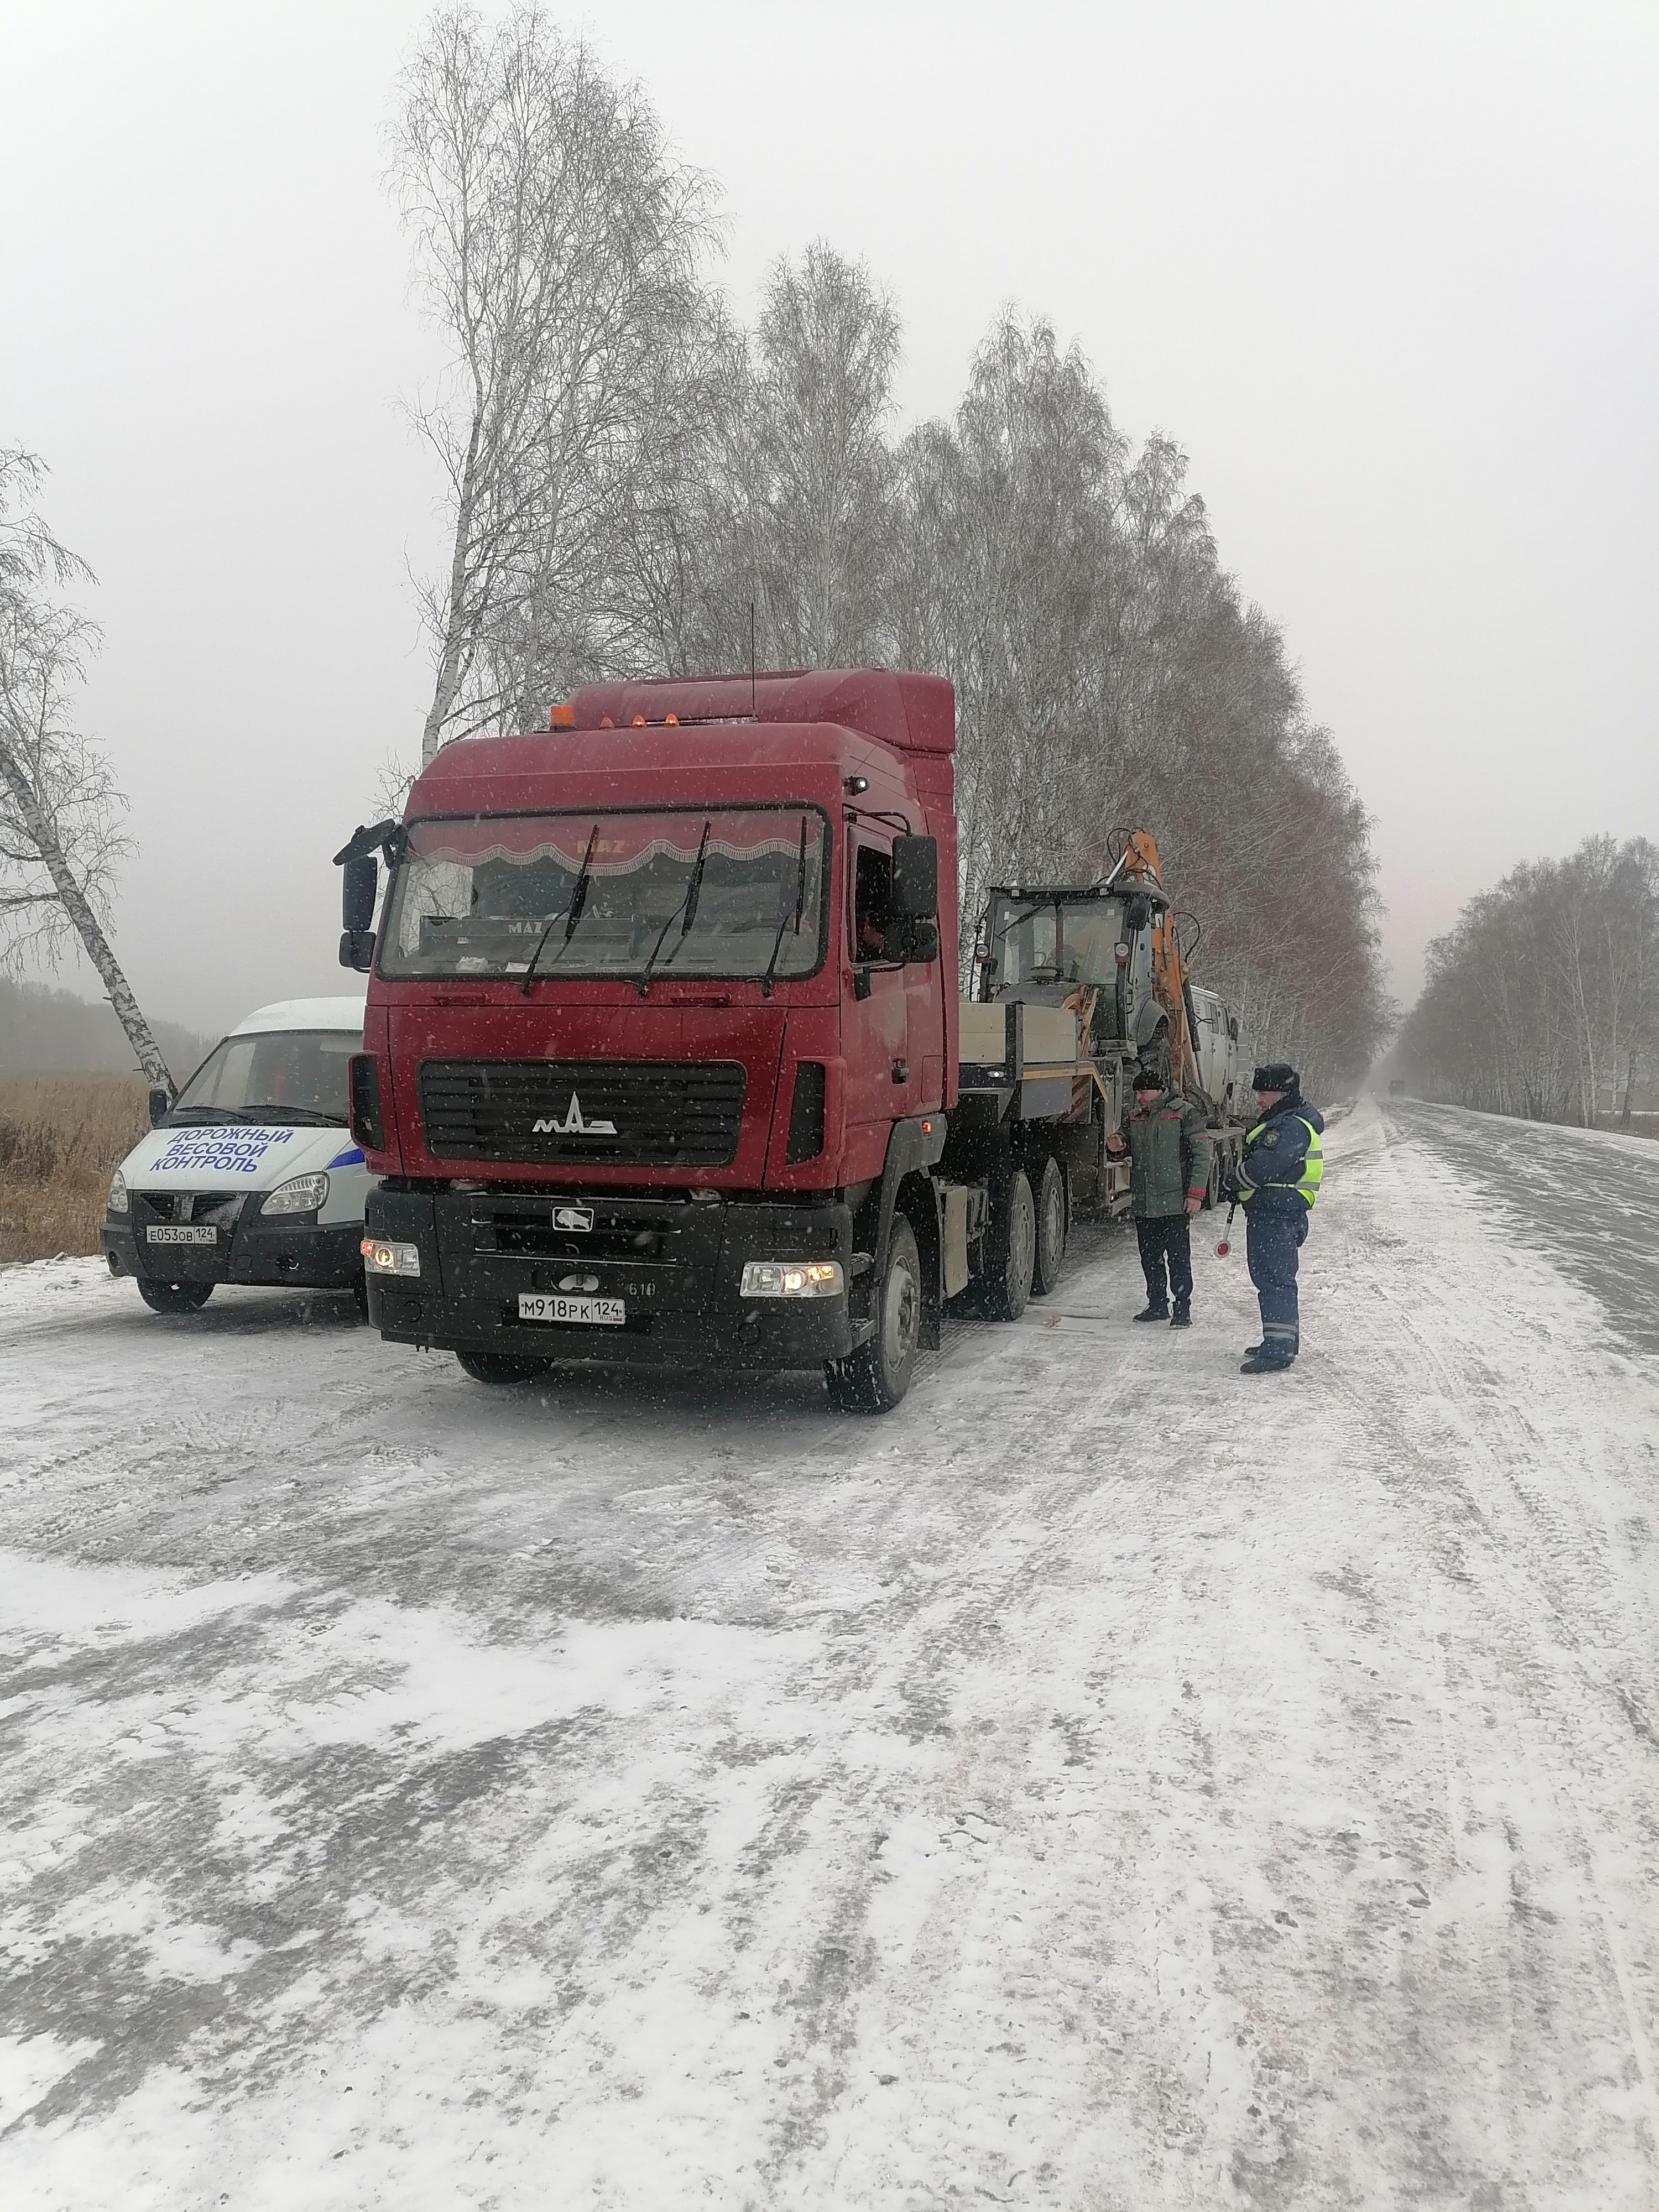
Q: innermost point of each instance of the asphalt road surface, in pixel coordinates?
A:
(1108, 1782)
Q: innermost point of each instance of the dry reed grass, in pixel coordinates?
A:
(60, 1139)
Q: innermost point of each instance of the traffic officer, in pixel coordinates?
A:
(1279, 1178)
(1168, 1175)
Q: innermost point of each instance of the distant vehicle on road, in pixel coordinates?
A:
(1396, 1086)
(250, 1174)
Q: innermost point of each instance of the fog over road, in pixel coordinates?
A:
(1110, 1780)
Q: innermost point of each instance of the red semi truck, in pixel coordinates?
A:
(660, 1054)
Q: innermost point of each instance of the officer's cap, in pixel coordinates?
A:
(1277, 1075)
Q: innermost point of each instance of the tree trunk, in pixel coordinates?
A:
(449, 662)
(73, 900)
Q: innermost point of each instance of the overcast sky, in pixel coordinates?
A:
(1387, 273)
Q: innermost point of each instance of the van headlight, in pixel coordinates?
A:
(792, 1278)
(299, 1195)
(118, 1200)
(388, 1255)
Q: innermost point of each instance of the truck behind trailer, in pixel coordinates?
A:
(664, 1059)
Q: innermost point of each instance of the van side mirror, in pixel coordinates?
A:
(161, 1101)
(915, 878)
(360, 880)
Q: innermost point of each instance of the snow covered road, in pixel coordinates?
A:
(1108, 1782)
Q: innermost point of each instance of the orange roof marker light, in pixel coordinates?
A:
(639, 721)
(605, 722)
(561, 715)
(672, 721)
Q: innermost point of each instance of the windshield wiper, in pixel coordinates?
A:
(1014, 920)
(783, 921)
(206, 1115)
(687, 907)
(310, 1117)
(570, 916)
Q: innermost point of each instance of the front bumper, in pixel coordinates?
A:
(297, 1254)
(676, 1264)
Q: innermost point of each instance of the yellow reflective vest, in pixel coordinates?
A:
(1306, 1185)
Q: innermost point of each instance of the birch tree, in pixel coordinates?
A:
(60, 810)
(557, 241)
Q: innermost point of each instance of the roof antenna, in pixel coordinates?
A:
(753, 715)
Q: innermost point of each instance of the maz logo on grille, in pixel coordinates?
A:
(573, 1124)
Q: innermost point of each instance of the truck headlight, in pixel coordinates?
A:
(118, 1200)
(385, 1256)
(792, 1278)
(299, 1195)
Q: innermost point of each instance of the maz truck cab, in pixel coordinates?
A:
(661, 1015)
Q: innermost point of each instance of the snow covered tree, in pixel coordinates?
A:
(60, 810)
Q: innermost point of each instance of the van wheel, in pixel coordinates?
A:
(502, 1366)
(175, 1297)
(1050, 1248)
(879, 1373)
(1012, 1250)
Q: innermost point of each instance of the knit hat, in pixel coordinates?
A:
(1277, 1075)
(1146, 1079)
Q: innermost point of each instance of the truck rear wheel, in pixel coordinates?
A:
(173, 1298)
(1010, 1244)
(1050, 1247)
(878, 1375)
(502, 1366)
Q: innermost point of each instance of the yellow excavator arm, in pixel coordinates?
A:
(1169, 964)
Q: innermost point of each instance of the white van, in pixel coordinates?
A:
(250, 1175)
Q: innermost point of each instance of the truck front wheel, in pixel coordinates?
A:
(1010, 1252)
(879, 1373)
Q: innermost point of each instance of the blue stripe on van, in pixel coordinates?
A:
(351, 1157)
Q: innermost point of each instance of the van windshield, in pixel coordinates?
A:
(726, 892)
(276, 1075)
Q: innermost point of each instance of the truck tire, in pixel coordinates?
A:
(502, 1366)
(1011, 1250)
(878, 1375)
(175, 1297)
(1050, 1246)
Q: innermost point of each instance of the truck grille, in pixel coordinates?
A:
(638, 1113)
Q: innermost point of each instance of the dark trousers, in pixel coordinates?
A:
(1166, 1239)
(1272, 1241)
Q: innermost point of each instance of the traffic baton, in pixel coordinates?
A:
(1224, 1247)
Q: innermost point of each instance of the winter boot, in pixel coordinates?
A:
(1257, 1365)
(1151, 1313)
(1181, 1318)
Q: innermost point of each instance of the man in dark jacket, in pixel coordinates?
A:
(1168, 1175)
(1278, 1179)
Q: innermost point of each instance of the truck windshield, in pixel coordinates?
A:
(277, 1075)
(1051, 942)
(487, 896)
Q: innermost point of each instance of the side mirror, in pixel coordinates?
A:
(160, 1100)
(360, 880)
(921, 947)
(915, 878)
(357, 949)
